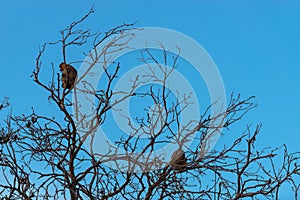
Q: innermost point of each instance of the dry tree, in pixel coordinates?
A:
(46, 157)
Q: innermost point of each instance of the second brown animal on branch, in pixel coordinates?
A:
(178, 160)
(68, 76)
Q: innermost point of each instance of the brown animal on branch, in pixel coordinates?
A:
(178, 160)
(68, 75)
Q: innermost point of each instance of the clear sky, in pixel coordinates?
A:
(254, 43)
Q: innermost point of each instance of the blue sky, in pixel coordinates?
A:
(255, 45)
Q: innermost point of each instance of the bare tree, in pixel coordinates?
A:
(47, 157)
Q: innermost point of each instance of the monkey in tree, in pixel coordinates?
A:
(68, 75)
(178, 159)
